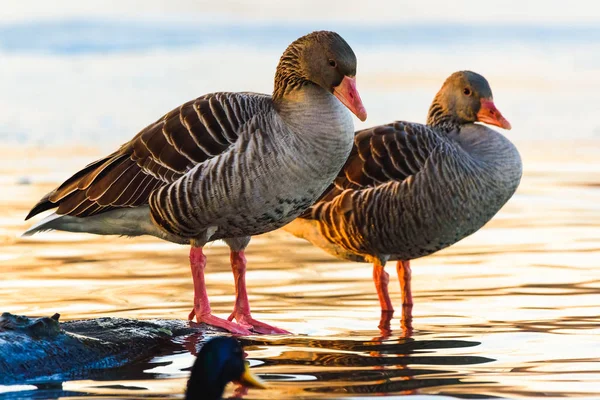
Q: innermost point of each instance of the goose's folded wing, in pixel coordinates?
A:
(382, 154)
(160, 154)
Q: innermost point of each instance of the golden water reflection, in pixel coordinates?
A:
(511, 311)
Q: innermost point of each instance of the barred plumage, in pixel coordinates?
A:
(160, 154)
(224, 166)
(408, 190)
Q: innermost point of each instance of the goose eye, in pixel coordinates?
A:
(467, 91)
(332, 63)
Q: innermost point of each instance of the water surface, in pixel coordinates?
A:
(511, 311)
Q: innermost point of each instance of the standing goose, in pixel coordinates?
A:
(224, 166)
(409, 190)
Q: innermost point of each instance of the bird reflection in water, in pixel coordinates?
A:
(393, 361)
(406, 327)
(383, 364)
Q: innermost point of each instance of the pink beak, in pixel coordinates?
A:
(489, 114)
(346, 92)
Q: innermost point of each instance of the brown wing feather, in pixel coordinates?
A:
(73, 202)
(385, 153)
(102, 184)
(158, 155)
(128, 195)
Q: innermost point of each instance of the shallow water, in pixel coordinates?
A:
(511, 311)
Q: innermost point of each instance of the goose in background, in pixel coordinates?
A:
(409, 190)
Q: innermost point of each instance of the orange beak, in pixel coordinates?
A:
(346, 92)
(489, 114)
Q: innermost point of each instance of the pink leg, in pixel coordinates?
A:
(381, 279)
(241, 311)
(202, 310)
(404, 275)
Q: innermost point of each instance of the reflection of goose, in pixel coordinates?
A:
(403, 386)
(346, 352)
(359, 366)
(224, 166)
(385, 328)
(220, 361)
(409, 190)
(321, 359)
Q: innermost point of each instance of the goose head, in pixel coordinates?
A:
(321, 58)
(465, 97)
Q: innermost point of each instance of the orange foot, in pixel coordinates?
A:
(245, 319)
(232, 327)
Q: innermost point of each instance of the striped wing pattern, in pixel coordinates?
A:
(382, 159)
(158, 155)
(383, 154)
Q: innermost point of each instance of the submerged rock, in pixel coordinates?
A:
(41, 349)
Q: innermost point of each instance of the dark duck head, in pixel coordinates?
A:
(220, 361)
(465, 97)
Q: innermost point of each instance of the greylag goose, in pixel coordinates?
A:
(409, 190)
(224, 166)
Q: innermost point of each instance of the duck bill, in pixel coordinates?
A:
(251, 380)
(346, 92)
(489, 114)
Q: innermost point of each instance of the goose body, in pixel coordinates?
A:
(408, 190)
(461, 181)
(223, 166)
(259, 181)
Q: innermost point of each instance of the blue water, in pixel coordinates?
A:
(84, 36)
(97, 82)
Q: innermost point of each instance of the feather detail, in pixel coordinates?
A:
(158, 155)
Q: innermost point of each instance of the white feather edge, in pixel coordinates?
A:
(134, 221)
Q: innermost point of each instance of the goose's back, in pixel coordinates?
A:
(157, 156)
(451, 185)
